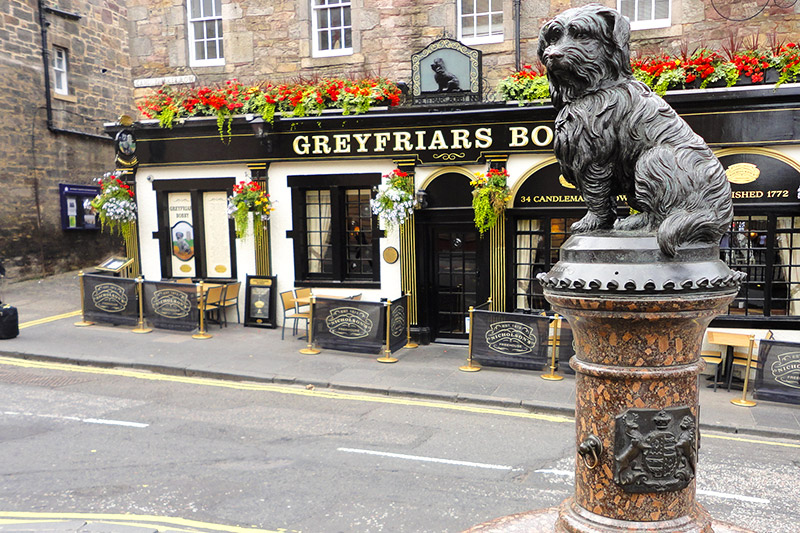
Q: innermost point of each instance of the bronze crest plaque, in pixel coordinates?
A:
(655, 450)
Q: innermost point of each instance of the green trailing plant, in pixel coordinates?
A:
(489, 196)
(249, 201)
(115, 205)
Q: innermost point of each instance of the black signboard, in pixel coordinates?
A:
(112, 300)
(349, 325)
(259, 301)
(76, 213)
(446, 72)
(398, 330)
(169, 305)
(512, 340)
(758, 178)
(778, 374)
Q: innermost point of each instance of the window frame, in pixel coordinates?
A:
(650, 24)
(315, 30)
(195, 187)
(192, 38)
(338, 185)
(60, 72)
(492, 37)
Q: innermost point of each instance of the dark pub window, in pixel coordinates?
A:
(336, 240)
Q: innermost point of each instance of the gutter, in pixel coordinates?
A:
(46, 61)
(517, 15)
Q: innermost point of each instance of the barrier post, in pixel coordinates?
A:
(83, 322)
(202, 307)
(140, 327)
(387, 353)
(552, 376)
(409, 344)
(469, 367)
(309, 349)
(743, 401)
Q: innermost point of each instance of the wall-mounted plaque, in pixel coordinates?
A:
(259, 301)
(446, 72)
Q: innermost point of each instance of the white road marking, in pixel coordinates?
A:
(725, 495)
(86, 420)
(427, 459)
(704, 492)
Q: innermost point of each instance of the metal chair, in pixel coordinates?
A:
(231, 299)
(290, 312)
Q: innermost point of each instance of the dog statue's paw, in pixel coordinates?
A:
(637, 221)
(591, 222)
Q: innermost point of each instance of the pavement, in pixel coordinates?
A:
(49, 307)
(48, 311)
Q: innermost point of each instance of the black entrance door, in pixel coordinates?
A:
(459, 281)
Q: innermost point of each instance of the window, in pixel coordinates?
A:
(205, 33)
(195, 234)
(60, 71)
(480, 21)
(646, 14)
(332, 28)
(334, 233)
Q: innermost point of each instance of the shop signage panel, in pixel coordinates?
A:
(778, 374)
(169, 305)
(398, 331)
(181, 234)
(259, 301)
(217, 234)
(761, 179)
(111, 300)
(512, 340)
(349, 325)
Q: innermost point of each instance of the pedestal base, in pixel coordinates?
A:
(566, 519)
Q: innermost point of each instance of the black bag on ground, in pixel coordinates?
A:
(9, 322)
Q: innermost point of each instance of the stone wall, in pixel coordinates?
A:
(270, 41)
(35, 160)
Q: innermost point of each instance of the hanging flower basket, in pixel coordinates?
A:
(394, 200)
(489, 197)
(249, 201)
(115, 205)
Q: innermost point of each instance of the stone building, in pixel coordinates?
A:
(51, 127)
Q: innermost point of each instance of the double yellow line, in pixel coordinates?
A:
(49, 319)
(130, 520)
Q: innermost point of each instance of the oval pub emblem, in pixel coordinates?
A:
(170, 303)
(110, 298)
(349, 323)
(511, 338)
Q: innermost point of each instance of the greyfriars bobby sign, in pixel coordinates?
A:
(446, 72)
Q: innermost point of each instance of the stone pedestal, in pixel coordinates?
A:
(638, 320)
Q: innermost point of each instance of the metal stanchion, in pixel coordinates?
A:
(552, 376)
(83, 322)
(140, 327)
(743, 401)
(202, 333)
(309, 349)
(409, 344)
(387, 353)
(469, 367)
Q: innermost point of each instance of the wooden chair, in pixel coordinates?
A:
(212, 300)
(231, 299)
(734, 340)
(713, 357)
(290, 312)
(302, 293)
(184, 280)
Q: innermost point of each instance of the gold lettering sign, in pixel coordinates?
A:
(170, 303)
(740, 173)
(349, 323)
(110, 298)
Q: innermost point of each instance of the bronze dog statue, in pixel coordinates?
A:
(615, 136)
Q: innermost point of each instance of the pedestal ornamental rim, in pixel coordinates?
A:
(630, 263)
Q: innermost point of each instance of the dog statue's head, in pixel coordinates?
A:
(584, 49)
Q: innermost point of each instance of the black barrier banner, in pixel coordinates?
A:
(509, 339)
(109, 299)
(349, 325)
(169, 305)
(778, 374)
(398, 332)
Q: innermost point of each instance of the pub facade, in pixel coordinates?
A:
(321, 173)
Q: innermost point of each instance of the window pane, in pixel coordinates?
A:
(208, 10)
(359, 232)
(645, 10)
(346, 12)
(497, 24)
(194, 7)
(318, 231)
(322, 19)
(348, 38)
(662, 9)
(482, 6)
(217, 8)
(199, 50)
(324, 41)
(336, 37)
(336, 18)
(211, 49)
(467, 7)
(482, 25)
(211, 29)
(626, 7)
